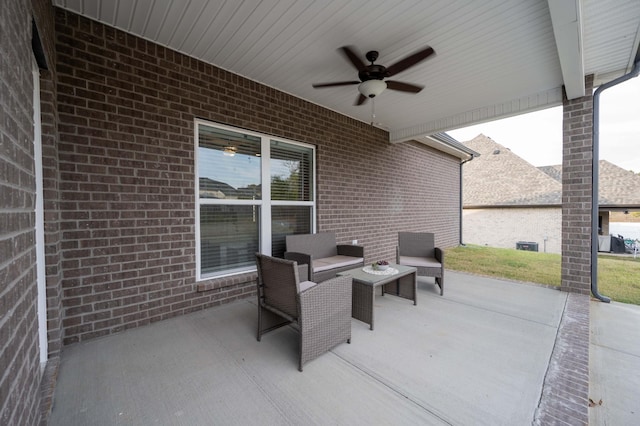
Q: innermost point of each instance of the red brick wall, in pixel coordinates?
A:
(126, 153)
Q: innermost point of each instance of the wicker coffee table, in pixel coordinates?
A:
(400, 281)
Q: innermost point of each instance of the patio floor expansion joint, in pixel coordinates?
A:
(394, 389)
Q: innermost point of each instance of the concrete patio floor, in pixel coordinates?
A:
(614, 357)
(479, 355)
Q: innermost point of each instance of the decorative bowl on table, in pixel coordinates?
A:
(380, 265)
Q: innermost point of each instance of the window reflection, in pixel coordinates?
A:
(228, 237)
(288, 220)
(227, 173)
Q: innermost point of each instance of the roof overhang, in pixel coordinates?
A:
(619, 208)
(445, 143)
(494, 59)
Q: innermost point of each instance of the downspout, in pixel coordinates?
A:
(595, 174)
(460, 192)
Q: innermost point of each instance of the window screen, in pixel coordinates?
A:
(291, 174)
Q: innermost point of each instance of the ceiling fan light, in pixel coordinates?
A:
(372, 88)
(229, 151)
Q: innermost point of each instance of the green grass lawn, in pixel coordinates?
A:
(618, 277)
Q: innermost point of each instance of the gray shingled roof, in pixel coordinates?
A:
(450, 140)
(617, 187)
(498, 177)
(553, 171)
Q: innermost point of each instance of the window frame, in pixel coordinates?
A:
(265, 203)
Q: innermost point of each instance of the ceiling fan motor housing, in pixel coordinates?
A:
(372, 72)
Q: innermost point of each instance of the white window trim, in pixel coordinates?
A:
(265, 204)
(41, 278)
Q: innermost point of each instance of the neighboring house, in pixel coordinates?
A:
(210, 188)
(508, 201)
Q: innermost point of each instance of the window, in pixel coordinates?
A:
(252, 191)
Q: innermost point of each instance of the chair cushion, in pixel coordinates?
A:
(339, 261)
(425, 262)
(306, 285)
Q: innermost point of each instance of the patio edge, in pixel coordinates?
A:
(565, 391)
(47, 389)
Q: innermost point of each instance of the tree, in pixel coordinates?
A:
(287, 188)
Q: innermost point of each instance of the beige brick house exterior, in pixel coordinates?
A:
(505, 227)
(508, 200)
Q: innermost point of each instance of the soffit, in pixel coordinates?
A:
(493, 58)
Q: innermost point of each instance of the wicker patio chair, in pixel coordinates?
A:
(418, 249)
(321, 312)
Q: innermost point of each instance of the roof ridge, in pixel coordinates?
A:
(501, 177)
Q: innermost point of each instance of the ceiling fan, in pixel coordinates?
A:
(372, 77)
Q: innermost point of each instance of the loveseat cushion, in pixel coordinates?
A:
(339, 261)
(424, 262)
(320, 245)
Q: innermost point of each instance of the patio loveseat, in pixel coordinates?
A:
(324, 257)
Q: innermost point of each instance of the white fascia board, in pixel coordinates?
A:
(442, 147)
(566, 19)
(525, 104)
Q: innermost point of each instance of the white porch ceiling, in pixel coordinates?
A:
(494, 58)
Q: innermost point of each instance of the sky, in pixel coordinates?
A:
(537, 137)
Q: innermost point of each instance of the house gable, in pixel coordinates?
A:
(498, 177)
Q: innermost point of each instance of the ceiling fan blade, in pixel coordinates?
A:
(360, 99)
(403, 87)
(337, 83)
(409, 61)
(353, 57)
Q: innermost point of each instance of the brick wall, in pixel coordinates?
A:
(577, 159)
(503, 227)
(19, 354)
(126, 151)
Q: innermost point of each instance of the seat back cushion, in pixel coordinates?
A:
(416, 244)
(322, 244)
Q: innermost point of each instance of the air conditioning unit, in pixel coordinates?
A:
(527, 245)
